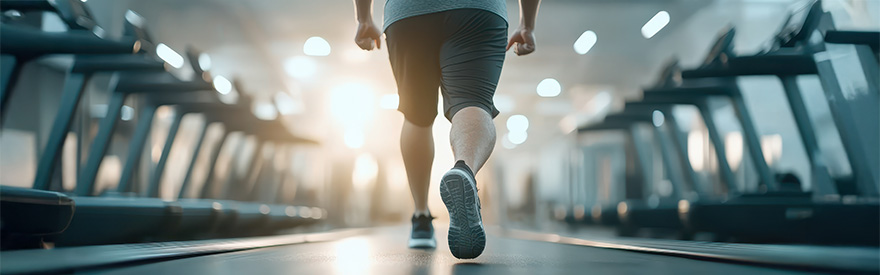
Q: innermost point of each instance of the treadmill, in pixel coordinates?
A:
(643, 207)
(655, 211)
(608, 213)
(591, 210)
(791, 54)
(26, 43)
(254, 217)
(155, 213)
(162, 214)
(827, 219)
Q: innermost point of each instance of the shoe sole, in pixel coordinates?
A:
(467, 238)
(422, 243)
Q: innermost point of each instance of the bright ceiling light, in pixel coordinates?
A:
(655, 24)
(549, 87)
(657, 118)
(300, 67)
(287, 105)
(222, 85)
(316, 46)
(585, 42)
(169, 55)
(265, 110)
(204, 62)
(517, 137)
(389, 102)
(517, 123)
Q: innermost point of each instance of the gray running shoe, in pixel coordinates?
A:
(422, 232)
(458, 188)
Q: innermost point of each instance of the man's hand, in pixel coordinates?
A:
(366, 34)
(524, 41)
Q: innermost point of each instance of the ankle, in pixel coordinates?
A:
(463, 165)
(422, 212)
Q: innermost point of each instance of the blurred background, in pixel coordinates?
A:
(296, 62)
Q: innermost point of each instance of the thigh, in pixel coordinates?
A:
(471, 59)
(413, 49)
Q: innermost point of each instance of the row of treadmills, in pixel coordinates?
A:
(834, 211)
(46, 215)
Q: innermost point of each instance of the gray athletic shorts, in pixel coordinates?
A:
(461, 51)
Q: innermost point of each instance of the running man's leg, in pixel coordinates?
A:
(413, 49)
(417, 147)
(472, 137)
(471, 60)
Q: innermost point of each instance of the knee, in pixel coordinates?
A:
(471, 113)
(423, 121)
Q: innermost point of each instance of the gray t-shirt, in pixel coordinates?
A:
(399, 9)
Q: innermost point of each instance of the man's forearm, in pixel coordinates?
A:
(364, 9)
(528, 11)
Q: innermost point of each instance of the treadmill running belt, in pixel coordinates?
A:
(384, 251)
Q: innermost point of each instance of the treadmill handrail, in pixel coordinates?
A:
(870, 38)
(29, 43)
(74, 13)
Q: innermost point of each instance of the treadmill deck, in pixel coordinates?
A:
(385, 251)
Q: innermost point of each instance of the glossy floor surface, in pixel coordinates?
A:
(384, 251)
